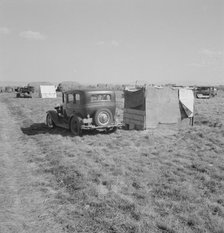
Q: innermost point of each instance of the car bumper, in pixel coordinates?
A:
(92, 127)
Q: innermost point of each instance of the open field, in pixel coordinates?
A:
(166, 180)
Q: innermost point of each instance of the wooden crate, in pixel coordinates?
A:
(134, 119)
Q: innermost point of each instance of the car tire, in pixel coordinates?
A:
(103, 117)
(49, 121)
(75, 126)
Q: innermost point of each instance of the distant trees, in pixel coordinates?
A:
(68, 85)
(115, 87)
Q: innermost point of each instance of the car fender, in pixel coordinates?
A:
(54, 116)
(75, 115)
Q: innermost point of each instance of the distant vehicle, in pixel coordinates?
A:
(205, 92)
(24, 92)
(85, 110)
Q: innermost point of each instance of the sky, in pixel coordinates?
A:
(112, 41)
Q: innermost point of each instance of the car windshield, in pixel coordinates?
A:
(100, 97)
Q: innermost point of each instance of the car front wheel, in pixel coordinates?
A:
(75, 126)
(49, 121)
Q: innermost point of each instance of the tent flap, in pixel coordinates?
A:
(134, 99)
(186, 98)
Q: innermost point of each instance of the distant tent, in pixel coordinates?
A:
(9, 89)
(47, 91)
(36, 85)
(147, 107)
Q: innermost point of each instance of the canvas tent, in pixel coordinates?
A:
(149, 106)
(47, 91)
(9, 89)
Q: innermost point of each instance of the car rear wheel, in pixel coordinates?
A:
(103, 117)
(75, 126)
(49, 121)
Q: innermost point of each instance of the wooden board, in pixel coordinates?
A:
(134, 111)
(134, 119)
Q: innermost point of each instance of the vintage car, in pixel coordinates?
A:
(24, 92)
(205, 92)
(85, 110)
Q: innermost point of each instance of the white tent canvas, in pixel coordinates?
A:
(48, 91)
(186, 98)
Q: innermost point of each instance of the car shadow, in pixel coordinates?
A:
(42, 128)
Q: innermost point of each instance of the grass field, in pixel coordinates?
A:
(161, 180)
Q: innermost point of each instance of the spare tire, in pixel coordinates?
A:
(103, 117)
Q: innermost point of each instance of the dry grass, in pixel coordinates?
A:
(163, 180)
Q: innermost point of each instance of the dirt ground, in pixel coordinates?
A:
(169, 179)
(22, 203)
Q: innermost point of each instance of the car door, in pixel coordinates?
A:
(73, 105)
(69, 104)
(77, 104)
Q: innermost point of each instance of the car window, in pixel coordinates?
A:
(77, 99)
(70, 98)
(100, 97)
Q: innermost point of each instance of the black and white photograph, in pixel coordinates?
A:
(111, 116)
